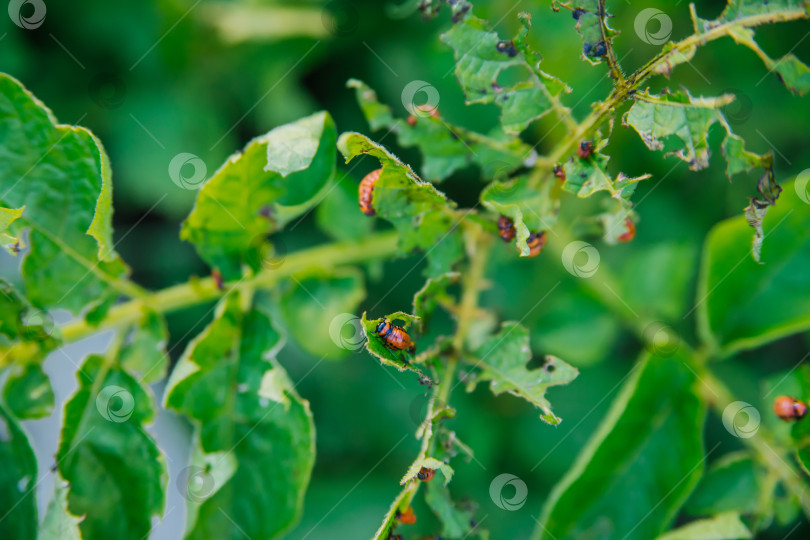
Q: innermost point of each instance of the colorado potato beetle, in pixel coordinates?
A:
(559, 172)
(789, 408)
(425, 474)
(536, 241)
(630, 233)
(506, 228)
(395, 337)
(366, 191)
(585, 149)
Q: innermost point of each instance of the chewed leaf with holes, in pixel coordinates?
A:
(376, 345)
(276, 178)
(503, 359)
(19, 322)
(61, 175)
(244, 406)
(481, 56)
(417, 210)
(532, 209)
(445, 148)
(680, 122)
(590, 19)
(105, 448)
(790, 70)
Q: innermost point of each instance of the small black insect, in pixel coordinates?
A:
(507, 47)
(577, 13)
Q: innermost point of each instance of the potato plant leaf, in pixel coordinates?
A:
(455, 518)
(445, 148)
(502, 360)
(61, 175)
(681, 122)
(730, 484)
(105, 448)
(311, 304)
(481, 56)
(337, 215)
(28, 393)
(402, 360)
(742, 304)
(531, 209)
(246, 410)
(431, 295)
(726, 526)
(145, 355)
(275, 178)
(8, 235)
(420, 213)
(591, 17)
(59, 523)
(18, 477)
(656, 418)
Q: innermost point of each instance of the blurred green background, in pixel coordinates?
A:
(153, 79)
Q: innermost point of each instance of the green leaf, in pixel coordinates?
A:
(742, 304)
(28, 392)
(445, 148)
(531, 209)
(18, 477)
(755, 212)
(421, 215)
(61, 175)
(276, 178)
(145, 355)
(19, 322)
(481, 57)
(59, 523)
(338, 216)
(454, 518)
(590, 17)
(245, 408)
(431, 295)
(313, 301)
(680, 123)
(502, 361)
(391, 357)
(105, 449)
(656, 419)
(721, 527)
(7, 217)
(730, 485)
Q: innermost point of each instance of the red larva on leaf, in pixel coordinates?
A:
(585, 149)
(406, 516)
(559, 172)
(789, 408)
(366, 191)
(536, 241)
(218, 280)
(411, 120)
(395, 337)
(506, 228)
(425, 474)
(630, 233)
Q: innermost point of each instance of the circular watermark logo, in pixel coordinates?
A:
(346, 331)
(423, 110)
(741, 419)
(738, 111)
(28, 14)
(195, 484)
(187, 171)
(340, 17)
(660, 340)
(801, 185)
(573, 262)
(653, 26)
(107, 90)
(115, 403)
(516, 501)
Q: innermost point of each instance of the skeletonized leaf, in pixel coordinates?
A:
(246, 410)
(277, 177)
(656, 418)
(502, 361)
(481, 56)
(104, 448)
(61, 175)
(445, 148)
(18, 477)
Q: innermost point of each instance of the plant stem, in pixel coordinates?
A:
(380, 245)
